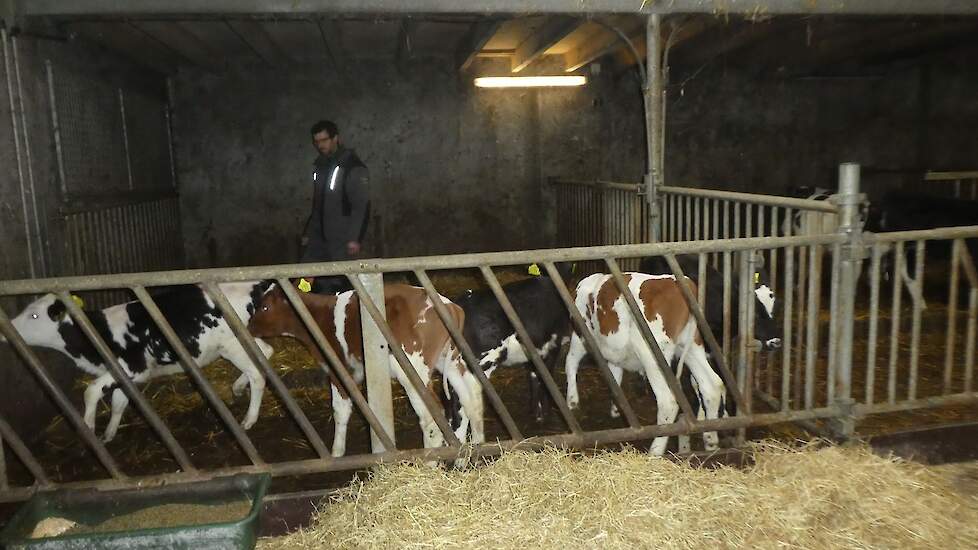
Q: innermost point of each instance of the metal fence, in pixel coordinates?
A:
(960, 185)
(119, 208)
(811, 378)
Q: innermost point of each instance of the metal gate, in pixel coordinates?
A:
(809, 379)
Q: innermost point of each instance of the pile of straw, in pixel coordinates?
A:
(811, 497)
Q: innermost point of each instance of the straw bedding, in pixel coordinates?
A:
(808, 497)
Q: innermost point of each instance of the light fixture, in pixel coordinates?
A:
(530, 81)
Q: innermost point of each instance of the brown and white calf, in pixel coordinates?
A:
(621, 343)
(414, 323)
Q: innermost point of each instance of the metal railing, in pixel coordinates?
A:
(811, 378)
(513, 433)
(960, 185)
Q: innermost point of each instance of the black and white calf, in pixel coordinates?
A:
(494, 341)
(140, 347)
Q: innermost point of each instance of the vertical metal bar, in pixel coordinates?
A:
(716, 230)
(194, 372)
(247, 341)
(20, 163)
(707, 202)
(846, 274)
(338, 368)
(125, 136)
(664, 367)
(126, 383)
(58, 396)
(9, 436)
(746, 335)
(736, 219)
(834, 321)
(56, 128)
(529, 348)
(811, 351)
(726, 220)
(802, 286)
(773, 255)
(952, 314)
(789, 274)
(687, 218)
(375, 361)
(915, 327)
(434, 408)
(969, 347)
(727, 329)
(29, 160)
(748, 220)
(653, 90)
(895, 321)
(674, 218)
(696, 218)
(470, 358)
(169, 133)
(874, 317)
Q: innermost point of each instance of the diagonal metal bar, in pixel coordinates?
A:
(126, 383)
(76, 420)
(705, 330)
(336, 364)
(660, 358)
(470, 359)
(192, 369)
(23, 453)
(434, 408)
(591, 344)
(257, 357)
(530, 349)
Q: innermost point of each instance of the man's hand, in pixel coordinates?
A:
(352, 248)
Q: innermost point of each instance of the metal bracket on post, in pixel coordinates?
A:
(849, 201)
(376, 361)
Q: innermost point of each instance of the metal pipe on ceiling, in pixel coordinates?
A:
(746, 7)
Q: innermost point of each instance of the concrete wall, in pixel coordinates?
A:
(730, 129)
(453, 168)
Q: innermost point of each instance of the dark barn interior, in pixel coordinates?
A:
(139, 141)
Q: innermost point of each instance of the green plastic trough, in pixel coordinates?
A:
(92, 506)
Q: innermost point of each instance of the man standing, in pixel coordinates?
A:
(341, 203)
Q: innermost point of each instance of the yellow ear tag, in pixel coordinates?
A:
(534, 270)
(757, 278)
(78, 301)
(304, 285)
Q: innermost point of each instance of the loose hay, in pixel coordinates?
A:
(811, 497)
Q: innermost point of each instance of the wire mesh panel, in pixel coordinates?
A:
(93, 148)
(146, 129)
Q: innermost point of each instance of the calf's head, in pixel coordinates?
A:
(767, 330)
(40, 322)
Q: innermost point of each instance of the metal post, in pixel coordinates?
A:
(654, 120)
(375, 361)
(20, 162)
(56, 128)
(125, 136)
(848, 200)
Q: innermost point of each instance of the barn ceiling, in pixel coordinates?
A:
(796, 45)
